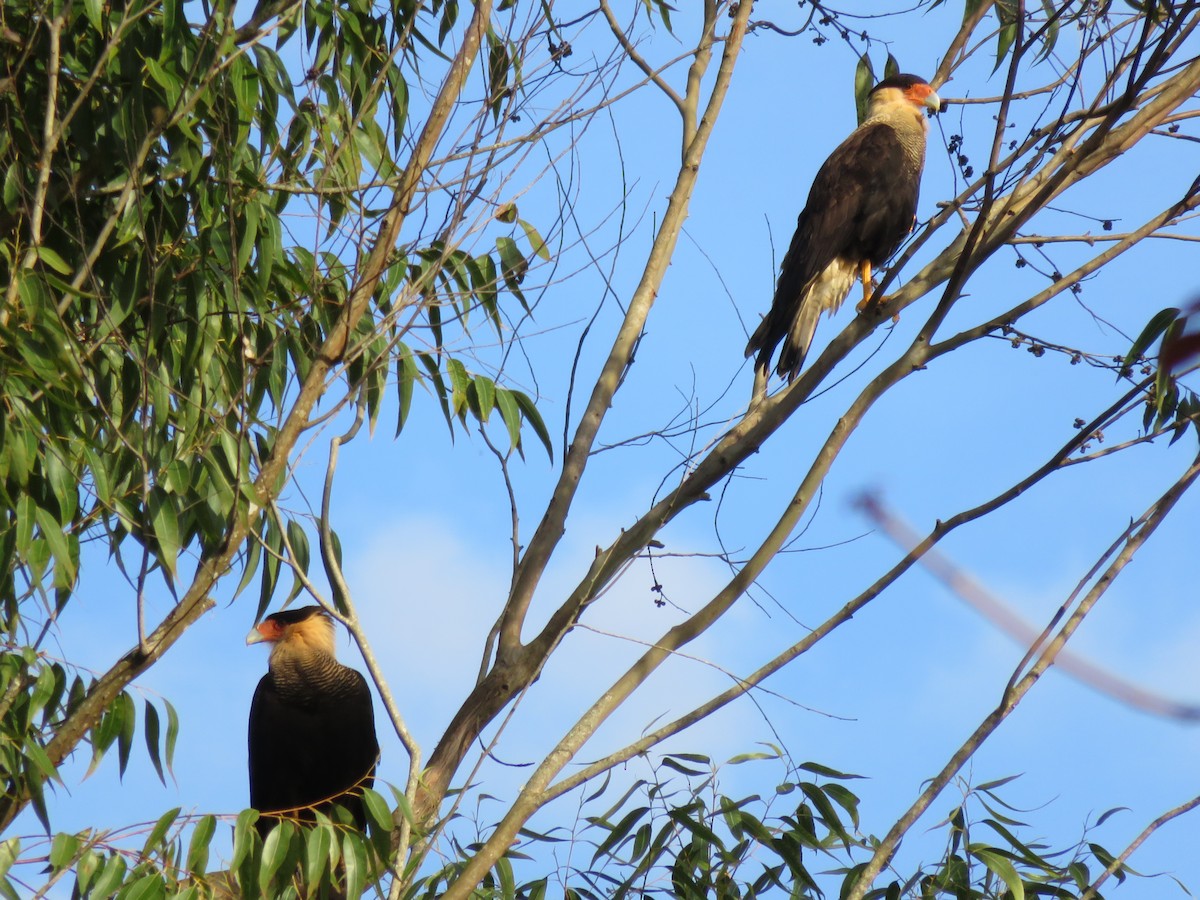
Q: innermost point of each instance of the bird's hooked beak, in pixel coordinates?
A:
(932, 101)
(263, 631)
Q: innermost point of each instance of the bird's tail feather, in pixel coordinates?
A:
(799, 337)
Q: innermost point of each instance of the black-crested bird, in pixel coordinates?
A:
(861, 205)
(312, 724)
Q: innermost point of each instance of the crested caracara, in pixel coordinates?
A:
(312, 725)
(860, 206)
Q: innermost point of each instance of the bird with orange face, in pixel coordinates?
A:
(312, 724)
(862, 204)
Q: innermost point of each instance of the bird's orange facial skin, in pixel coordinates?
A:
(923, 95)
(270, 630)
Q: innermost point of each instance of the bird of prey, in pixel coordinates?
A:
(860, 207)
(312, 725)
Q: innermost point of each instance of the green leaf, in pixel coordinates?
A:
(172, 734)
(10, 849)
(749, 757)
(845, 799)
(681, 768)
(110, 877)
(535, 241)
(53, 260)
(864, 80)
(276, 848)
(513, 266)
(1003, 868)
(618, 832)
(1104, 817)
(1106, 859)
(125, 736)
(534, 418)
(510, 412)
(198, 846)
(1154, 328)
(152, 732)
(1048, 35)
(33, 782)
(460, 381)
(1007, 13)
(148, 887)
(65, 561)
(103, 736)
(706, 835)
(37, 757)
(63, 850)
(378, 813)
(999, 782)
(818, 769)
(827, 813)
(273, 545)
(508, 884)
(26, 517)
(165, 525)
(403, 806)
(317, 842)
(354, 856)
(159, 831)
(1079, 872)
(244, 838)
(407, 374)
(253, 554)
(298, 541)
(482, 397)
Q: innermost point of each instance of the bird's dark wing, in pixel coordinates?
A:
(860, 206)
(862, 201)
(353, 749)
(274, 783)
(304, 752)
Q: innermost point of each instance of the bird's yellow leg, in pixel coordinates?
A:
(864, 272)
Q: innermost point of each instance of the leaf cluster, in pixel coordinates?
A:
(161, 313)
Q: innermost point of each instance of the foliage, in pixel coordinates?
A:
(225, 234)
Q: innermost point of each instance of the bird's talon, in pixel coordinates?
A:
(876, 306)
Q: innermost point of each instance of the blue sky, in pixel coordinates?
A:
(425, 523)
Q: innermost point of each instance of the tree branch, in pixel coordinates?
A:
(1133, 538)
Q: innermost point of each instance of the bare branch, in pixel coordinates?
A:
(1003, 617)
(639, 60)
(1133, 539)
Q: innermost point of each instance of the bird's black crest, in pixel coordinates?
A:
(292, 616)
(903, 82)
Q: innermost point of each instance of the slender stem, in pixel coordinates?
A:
(1112, 868)
(638, 59)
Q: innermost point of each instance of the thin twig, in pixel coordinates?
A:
(1119, 861)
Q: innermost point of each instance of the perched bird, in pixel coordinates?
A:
(860, 206)
(312, 725)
